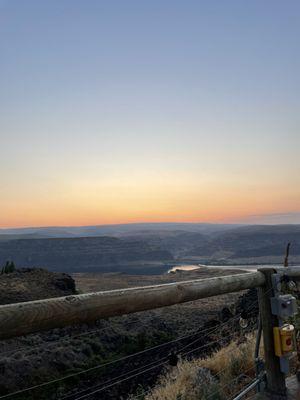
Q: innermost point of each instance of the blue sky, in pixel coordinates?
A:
(116, 111)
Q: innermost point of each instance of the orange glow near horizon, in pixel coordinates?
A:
(140, 202)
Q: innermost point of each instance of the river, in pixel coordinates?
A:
(191, 267)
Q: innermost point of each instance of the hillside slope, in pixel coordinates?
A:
(148, 251)
(80, 254)
(248, 244)
(115, 229)
(28, 284)
(253, 244)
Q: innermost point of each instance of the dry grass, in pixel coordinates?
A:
(232, 368)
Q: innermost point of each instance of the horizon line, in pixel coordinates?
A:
(143, 223)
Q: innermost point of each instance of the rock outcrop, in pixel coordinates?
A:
(28, 284)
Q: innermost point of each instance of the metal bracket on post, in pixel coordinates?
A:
(260, 375)
(284, 306)
(259, 363)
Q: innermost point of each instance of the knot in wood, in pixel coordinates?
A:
(72, 299)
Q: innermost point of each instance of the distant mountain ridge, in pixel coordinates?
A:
(82, 254)
(253, 244)
(147, 248)
(115, 229)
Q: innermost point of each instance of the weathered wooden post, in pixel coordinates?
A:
(276, 388)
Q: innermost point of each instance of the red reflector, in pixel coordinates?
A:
(288, 342)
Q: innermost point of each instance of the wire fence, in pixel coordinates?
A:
(158, 363)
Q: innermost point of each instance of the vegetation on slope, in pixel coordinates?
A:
(82, 254)
(217, 377)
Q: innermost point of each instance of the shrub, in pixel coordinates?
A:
(8, 268)
(213, 378)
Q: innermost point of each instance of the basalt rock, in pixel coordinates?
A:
(28, 284)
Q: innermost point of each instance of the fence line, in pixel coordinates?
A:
(23, 318)
(207, 331)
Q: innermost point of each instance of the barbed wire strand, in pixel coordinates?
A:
(238, 392)
(215, 375)
(114, 361)
(51, 343)
(229, 383)
(71, 337)
(110, 381)
(141, 372)
(224, 369)
(196, 349)
(193, 350)
(188, 345)
(95, 367)
(119, 381)
(230, 320)
(109, 363)
(252, 396)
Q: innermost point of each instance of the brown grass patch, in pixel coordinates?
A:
(231, 368)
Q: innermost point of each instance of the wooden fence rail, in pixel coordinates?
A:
(33, 316)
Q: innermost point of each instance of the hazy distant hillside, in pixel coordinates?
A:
(131, 247)
(177, 242)
(261, 242)
(9, 236)
(245, 244)
(116, 230)
(80, 254)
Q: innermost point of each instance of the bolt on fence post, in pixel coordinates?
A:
(276, 387)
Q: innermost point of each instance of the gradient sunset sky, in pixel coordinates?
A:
(128, 111)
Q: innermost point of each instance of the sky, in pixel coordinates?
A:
(135, 111)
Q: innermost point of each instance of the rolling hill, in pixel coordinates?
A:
(83, 254)
(140, 248)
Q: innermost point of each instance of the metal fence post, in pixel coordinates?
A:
(276, 387)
